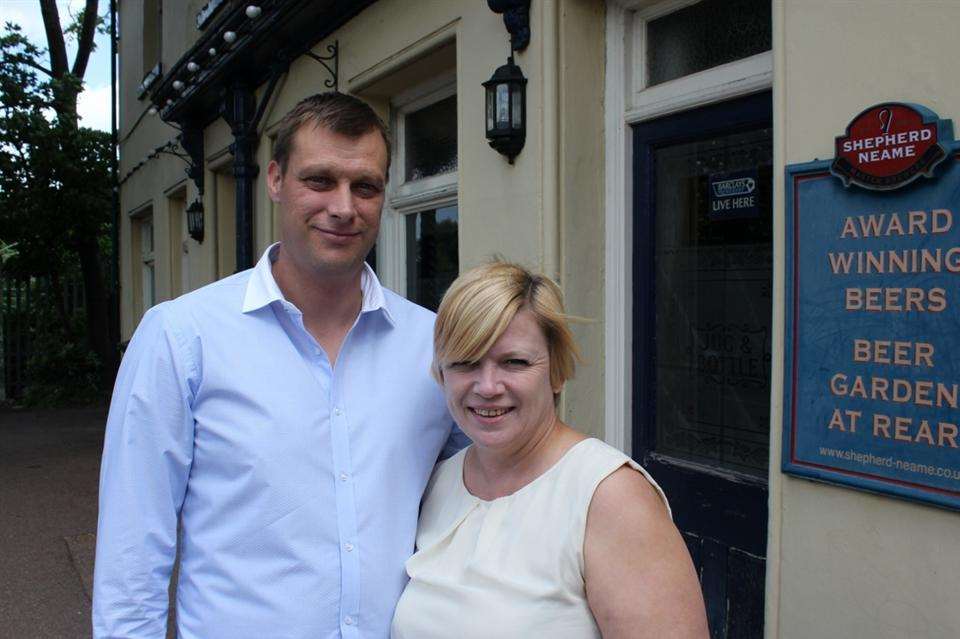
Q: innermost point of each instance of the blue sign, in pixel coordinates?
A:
(733, 195)
(872, 371)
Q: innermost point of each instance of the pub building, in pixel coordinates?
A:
(697, 178)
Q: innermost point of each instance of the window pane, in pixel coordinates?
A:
(146, 238)
(705, 35)
(149, 286)
(432, 257)
(430, 138)
(713, 262)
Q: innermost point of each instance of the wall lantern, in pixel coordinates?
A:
(195, 220)
(507, 109)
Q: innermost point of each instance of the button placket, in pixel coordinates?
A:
(346, 506)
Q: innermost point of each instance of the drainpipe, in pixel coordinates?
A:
(239, 112)
(114, 307)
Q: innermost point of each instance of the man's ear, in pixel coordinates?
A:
(274, 179)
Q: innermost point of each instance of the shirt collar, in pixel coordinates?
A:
(262, 288)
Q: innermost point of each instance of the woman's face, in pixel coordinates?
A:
(505, 400)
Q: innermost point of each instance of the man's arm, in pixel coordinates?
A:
(147, 452)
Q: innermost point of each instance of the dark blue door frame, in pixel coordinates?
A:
(719, 511)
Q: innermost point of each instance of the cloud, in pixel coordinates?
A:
(26, 13)
(94, 103)
(93, 107)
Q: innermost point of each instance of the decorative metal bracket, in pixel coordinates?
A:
(191, 140)
(334, 57)
(516, 18)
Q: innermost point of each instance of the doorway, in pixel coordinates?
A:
(702, 282)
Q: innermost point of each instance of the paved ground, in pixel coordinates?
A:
(49, 465)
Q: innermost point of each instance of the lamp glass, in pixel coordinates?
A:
(490, 109)
(195, 220)
(503, 106)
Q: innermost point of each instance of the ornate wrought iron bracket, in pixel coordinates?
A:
(516, 18)
(191, 141)
(334, 58)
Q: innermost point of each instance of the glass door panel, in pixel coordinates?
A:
(713, 268)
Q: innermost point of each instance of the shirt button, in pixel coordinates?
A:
(337, 411)
(348, 621)
(344, 477)
(348, 546)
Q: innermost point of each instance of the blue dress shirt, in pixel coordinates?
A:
(297, 484)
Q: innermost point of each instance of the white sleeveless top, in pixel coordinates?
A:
(510, 567)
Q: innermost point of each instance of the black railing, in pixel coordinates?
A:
(22, 302)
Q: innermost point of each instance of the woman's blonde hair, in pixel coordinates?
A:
(478, 306)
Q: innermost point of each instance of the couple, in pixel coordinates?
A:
(286, 421)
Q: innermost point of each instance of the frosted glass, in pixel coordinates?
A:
(705, 35)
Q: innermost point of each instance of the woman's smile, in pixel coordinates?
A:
(504, 400)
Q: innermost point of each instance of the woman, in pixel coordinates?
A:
(535, 530)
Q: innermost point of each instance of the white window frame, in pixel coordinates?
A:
(142, 260)
(148, 262)
(406, 198)
(629, 100)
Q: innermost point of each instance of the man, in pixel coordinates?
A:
(285, 414)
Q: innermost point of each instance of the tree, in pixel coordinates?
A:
(55, 187)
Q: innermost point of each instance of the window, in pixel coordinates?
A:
(685, 54)
(143, 261)
(431, 254)
(705, 35)
(418, 253)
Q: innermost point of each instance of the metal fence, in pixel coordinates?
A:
(21, 303)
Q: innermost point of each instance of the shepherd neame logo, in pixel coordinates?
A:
(890, 145)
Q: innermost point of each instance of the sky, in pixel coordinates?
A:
(94, 103)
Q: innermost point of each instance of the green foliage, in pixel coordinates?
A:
(62, 370)
(55, 196)
(55, 180)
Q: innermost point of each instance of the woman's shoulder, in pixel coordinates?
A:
(612, 474)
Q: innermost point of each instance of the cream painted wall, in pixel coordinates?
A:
(545, 210)
(843, 563)
(580, 199)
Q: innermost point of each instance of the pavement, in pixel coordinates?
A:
(49, 466)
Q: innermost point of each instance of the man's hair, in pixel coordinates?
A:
(478, 306)
(337, 112)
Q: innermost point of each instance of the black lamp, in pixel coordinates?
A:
(195, 220)
(507, 109)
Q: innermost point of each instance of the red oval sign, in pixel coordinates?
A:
(887, 146)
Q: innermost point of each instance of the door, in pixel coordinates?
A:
(703, 265)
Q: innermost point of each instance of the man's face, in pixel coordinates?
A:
(330, 197)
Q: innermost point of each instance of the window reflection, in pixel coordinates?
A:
(432, 255)
(713, 261)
